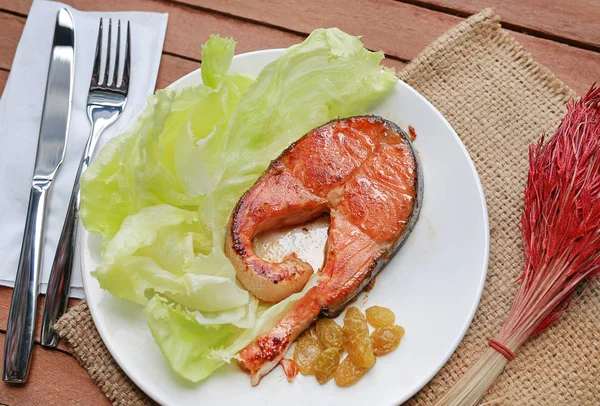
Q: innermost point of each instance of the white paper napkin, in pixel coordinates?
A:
(21, 110)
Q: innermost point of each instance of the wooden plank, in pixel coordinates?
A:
(12, 26)
(171, 66)
(20, 7)
(387, 25)
(3, 79)
(401, 30)
(5, 300)
(171, 69)
(187, 29)
(576, 21)
(55, 378)
(576, 67)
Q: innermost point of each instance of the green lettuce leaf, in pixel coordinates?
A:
(173, 152)
(161, 193)
(152, 241)
(185, 343)
(194, 348)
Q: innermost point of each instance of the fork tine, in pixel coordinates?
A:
(125, 81)
(116, 74)
(98, 58)
(107, 67)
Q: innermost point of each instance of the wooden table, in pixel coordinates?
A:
(563, 35)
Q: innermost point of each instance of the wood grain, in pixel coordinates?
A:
(20, 7)
(12, 26)
(172, 67)
(55, 378)
(192, 23)
(575, 21)
(401, 30)
(187, 29)
(3, 79)
(5, 300)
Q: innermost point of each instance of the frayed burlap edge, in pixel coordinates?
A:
(77, 327)
(486, 26)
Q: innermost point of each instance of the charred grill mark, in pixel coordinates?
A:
(236, 225)
(236, 239)
(238, 247)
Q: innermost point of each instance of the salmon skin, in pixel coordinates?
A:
(364, 172)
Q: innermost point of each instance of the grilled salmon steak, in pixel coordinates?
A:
(364, 172)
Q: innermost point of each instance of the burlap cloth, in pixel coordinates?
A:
(498, 99)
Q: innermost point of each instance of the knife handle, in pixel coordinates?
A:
(20, 332)
(57, 294)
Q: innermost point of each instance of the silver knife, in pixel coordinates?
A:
(54, 128)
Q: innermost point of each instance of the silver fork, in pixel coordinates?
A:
(106, 101)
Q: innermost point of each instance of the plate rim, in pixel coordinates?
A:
(84, 247)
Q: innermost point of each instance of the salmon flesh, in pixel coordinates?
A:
(365, 173)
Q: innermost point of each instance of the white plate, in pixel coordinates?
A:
(433, 284)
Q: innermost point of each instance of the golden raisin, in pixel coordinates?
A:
(326, 364)
(347, 374)
(329, 334)
(356, 338)
(305, 333)
(378, 316)
(306, 352)
(386, 339)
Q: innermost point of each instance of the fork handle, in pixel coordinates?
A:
(60, 276)
(57, 293)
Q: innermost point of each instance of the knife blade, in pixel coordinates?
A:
(52, 141)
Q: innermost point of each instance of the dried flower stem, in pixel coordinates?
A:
(560, 225)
